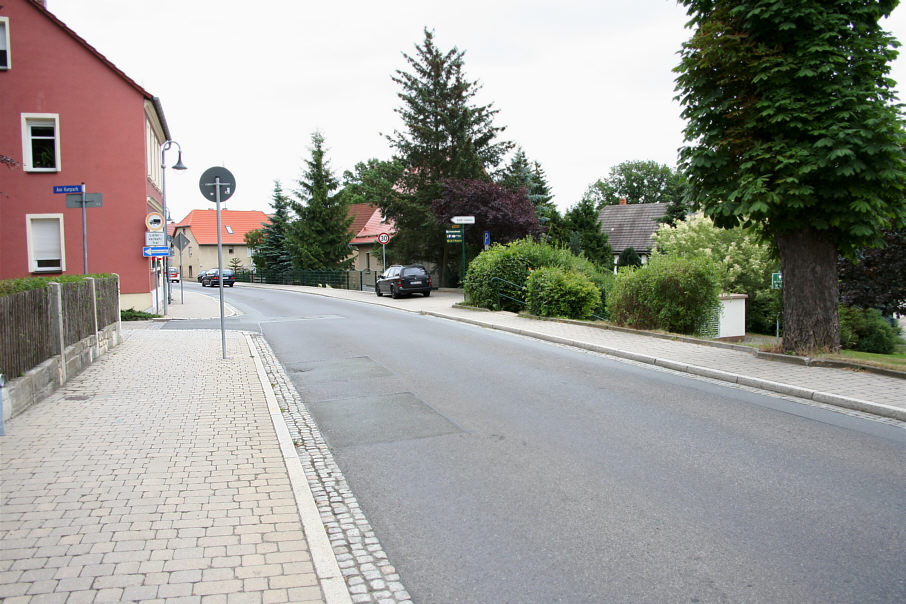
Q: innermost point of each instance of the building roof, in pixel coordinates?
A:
(631, 225)
(368, 223)
(234, 225)
(39, 5)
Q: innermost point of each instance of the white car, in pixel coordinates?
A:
(174, 274)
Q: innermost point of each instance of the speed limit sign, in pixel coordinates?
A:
(383, 238)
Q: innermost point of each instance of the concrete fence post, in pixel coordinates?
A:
(56, 319)
(94, 312)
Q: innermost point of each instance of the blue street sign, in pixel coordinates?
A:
(67, 189)
(487, 238)
(155, 250)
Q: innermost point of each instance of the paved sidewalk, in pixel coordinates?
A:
(161, 473)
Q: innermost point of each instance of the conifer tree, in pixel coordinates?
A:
(319, 237)
(444, 135)
(273, 250)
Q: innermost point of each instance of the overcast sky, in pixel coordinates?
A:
(580, 85)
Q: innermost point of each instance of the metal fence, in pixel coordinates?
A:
(30, 320)
(357, 280)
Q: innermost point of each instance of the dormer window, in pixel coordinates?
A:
(4, 43)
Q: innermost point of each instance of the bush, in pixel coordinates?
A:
(679, 295)
(14, 286)
(514, 263)
(866, 330)
(130, 314)
(553, 292)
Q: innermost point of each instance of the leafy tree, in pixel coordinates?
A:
(444, 135)
(507, 215)
(792, 128)
(640, 182)
(319, 238)
(521, 173)
(629, 257)
(272, 253)
(253, 239)
(581, 232)
(876, 277)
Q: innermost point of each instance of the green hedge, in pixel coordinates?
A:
(515, 262)
(674, 294)
(554, 292)
(14, 286)
(866, 330)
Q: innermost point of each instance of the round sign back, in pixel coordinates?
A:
(208, 183)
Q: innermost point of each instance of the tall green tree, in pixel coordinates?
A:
(444, 135)
(319, 237)
(272, 253)
(522, 173)
(581, 233)
(641, 182)
(792, 128)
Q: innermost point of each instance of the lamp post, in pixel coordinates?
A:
(163, 184)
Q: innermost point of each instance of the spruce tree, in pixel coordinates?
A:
(319, 238)
(444, 135)
(273, 250)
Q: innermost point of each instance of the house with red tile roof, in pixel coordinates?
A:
(200, 228)
(70, 116)
(367, 225)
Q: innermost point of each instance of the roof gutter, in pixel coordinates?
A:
(159, 109)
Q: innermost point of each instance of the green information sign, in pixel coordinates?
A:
(454, 235)
(776, 281)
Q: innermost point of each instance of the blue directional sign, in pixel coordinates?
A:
(155, 250)
(67, 189)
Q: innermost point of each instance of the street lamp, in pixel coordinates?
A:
(163, 184)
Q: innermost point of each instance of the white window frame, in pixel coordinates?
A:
(46, 119)
(4, 43)
(32, 259)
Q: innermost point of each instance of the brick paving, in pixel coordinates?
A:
(155, 475)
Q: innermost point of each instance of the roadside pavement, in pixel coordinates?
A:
(881, 396)
(166, 473)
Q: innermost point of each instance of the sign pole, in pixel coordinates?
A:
(217, 185)
(462, 266)
(84, 232)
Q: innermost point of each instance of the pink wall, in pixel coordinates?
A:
(102, 133)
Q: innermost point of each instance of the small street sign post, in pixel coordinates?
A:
(181, 241)
(76, 197)
(461, 222)
(487, 239)
(777, 283)
(384, 239)
(218, 184)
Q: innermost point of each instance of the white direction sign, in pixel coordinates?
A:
(463, 220)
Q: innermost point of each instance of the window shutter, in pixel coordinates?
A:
(46, 241)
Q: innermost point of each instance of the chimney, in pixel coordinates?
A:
(622, 201)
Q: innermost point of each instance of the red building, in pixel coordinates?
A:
(68, 116)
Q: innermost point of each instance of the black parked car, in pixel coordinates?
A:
(212, 278)
(202, 274)
(398, 280)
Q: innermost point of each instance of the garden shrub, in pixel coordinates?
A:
(866, 330)
(674, 294)
(14, 286)
(554, 292)
(515, 262)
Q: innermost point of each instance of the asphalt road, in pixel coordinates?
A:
(496, 468)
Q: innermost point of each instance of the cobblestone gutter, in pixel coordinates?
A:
(369, 574)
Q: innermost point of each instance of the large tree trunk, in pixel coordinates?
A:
(810, 292)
